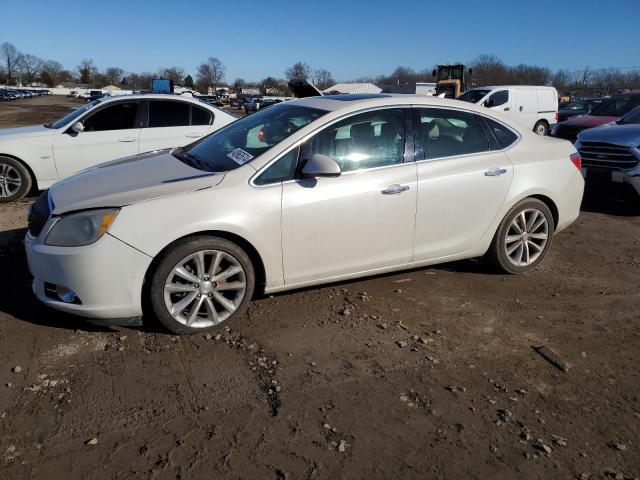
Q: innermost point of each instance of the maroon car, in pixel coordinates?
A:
(608, 111)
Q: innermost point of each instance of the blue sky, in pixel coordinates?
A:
(350, 38)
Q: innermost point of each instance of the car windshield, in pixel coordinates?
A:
(616, 107)
(73, 115)
(473, 96)
(633, 117)
(243, 140)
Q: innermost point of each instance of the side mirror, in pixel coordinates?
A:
(320, 166)
(77, 127)
(489, 103)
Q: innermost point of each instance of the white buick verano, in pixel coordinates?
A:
(302, 193)
(99, 131)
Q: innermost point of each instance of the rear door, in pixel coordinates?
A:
(463, 179)
(173, 123)
(526, 106)
(110, 132)
(547, 104)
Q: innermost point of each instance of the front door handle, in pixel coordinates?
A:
(506, 109)
(194, 135)
(127, 139)
(395, 189)
(495, 172)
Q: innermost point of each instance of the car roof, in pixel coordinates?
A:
(357, 101)
(493, 87)
(152, 96)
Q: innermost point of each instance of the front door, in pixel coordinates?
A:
(111, 132)
(362, 220)
(462, 183)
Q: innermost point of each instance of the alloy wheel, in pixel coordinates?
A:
(205, 288)
(526, 237)
(10, 181)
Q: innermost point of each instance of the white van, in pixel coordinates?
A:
(533, 107)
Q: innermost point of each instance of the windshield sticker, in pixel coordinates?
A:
(240, 156)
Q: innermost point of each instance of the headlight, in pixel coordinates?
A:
(80, 228)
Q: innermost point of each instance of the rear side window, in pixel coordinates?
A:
(447, 133)
(200, 116)
(504, 136)
(168, 114)
(121, 116)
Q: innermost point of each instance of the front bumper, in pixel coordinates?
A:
(106, 276)
(601, 176)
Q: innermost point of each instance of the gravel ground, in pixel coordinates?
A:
(422, 374)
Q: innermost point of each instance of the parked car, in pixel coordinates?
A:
(608, 111)
(97, 132)
(534, 107)
(305, 192)
(253, 105)
(611, 153)
(578, 107)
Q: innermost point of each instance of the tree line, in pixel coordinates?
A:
(17, 67)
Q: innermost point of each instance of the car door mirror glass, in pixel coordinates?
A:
(77, 127)
(489, 103)
(320, 166)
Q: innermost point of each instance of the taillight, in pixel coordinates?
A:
(576, 159)
(557, 116)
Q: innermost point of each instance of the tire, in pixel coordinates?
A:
(511, 238)
(541, 128)
(193, 287)
(15, 180)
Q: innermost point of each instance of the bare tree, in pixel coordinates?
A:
(322, 78)
(87, 71)
(29, 67)
(52, 72)
(113, 75)
(298, 71)
(11, 56)
(175, 74)
(210, 73)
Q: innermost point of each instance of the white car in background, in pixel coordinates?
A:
(316, 190)
(534, 107)
(102, 130)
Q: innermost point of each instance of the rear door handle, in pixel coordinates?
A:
(395, 189)
(495, 172)
(127, 139)
(194, 135)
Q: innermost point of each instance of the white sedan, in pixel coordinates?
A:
(105, 129)
(306, 192)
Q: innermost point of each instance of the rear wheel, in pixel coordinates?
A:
(201, 283)
(15, 180)
(541, 128)
(523, 238)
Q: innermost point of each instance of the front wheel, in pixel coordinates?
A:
(541, 128)
(523, 238)
(201, 283)
(15, 180)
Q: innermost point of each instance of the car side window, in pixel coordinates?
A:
(200, 116)
(446, 133)
(281, 170)
(499, 98)
(366, 140)
(120, 116)
(167, 113)
(504, 136)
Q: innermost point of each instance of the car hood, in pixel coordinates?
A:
(23, 132)
(613, 133)
(129, 180)
(588, 121)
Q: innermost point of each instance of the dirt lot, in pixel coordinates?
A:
(422, 374)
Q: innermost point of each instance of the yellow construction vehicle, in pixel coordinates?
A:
(451, 80)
